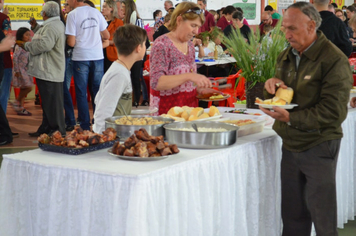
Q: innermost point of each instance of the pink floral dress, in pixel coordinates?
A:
(166, 59)
(20, 60)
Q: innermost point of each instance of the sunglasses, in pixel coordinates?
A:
(195, 10)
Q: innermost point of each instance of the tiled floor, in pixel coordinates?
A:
(25, 124)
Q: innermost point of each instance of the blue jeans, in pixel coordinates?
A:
(143, 87)
(5, 88)
(86, 73)
(68, 103)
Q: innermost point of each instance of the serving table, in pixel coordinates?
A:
(230, 191)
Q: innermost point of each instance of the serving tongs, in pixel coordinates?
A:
(195, 127)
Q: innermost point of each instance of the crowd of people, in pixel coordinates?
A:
(104, 51)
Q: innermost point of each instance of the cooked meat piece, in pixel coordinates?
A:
(56, 142)
(166, 144)
(121, 149)
(129, 153)
(94, 139)
(130, 141)
(44, 138)
(174, 148)
(156, 139)
(110, 133)
(156, 154)
(115, 147)
(151, 148)
(160, 145)
(83, 143)
(166, 151)
(142, 136)
(71, 141)
(82, 137)
(78, 129)
(141, 149)
(57, 135)
(145, 132)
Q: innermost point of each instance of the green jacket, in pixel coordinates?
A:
(321, 86)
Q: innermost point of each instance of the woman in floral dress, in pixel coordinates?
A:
(174, 81)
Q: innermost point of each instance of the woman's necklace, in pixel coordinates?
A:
(123, 63)
(183, 49)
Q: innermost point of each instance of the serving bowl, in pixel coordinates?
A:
(125, 131)
(203, 140)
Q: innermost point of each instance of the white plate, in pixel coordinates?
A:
(353, 91)
(138, 158)
(215, 100)
(143, 111)
(270, 106)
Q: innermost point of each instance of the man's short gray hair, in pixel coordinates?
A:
(169, 2)
(321, 2)
(51, 9)
(204, 1)
(309, 10)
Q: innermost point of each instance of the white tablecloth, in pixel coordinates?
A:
(231, 191)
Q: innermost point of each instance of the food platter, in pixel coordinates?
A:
(225, 96)
(138, 158)
(75, 151)
(270, 106)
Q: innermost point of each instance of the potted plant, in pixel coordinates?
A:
(256, 59)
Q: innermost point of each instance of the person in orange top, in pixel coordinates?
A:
(110, 13)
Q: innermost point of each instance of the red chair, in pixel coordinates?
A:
(353, 63)
(146, 66)
(238, 92)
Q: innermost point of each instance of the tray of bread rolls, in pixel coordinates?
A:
(186, 113)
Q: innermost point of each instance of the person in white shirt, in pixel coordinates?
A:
(85, 30)
(115, 94)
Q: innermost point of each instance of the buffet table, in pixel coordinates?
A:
(231, 191)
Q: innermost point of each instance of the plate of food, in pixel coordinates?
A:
(213, 97)
(77, 142)
(270, 106)
(186, 113)
(143, 147)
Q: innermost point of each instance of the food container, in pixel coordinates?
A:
(192, 139)
(244, 130)
(125, 131)
(240, 106)
(144, 111)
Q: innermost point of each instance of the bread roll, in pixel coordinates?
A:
(285, 94)
(204, 115)
(213, 111)
(192, 117)
(197, 111)
(175, 111)
(278, 101)
(185, 115)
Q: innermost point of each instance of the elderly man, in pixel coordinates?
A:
(86, 29)
(266, 19)
(47, 64)
(168, 5)
(321, 78)
(332, 27)
(209, 18)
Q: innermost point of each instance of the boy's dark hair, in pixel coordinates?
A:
(128, 37)
(237, 15)
(268, 8)
(229, 10)
(20, 32)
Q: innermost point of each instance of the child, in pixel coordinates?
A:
(115, 93)
(157, 17)
(20, 78)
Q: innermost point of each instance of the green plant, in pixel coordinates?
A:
(257, 59)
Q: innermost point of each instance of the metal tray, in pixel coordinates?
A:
(138, 158)
(203, 140)
(125, 131)
(75, 151)
(143, 111)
